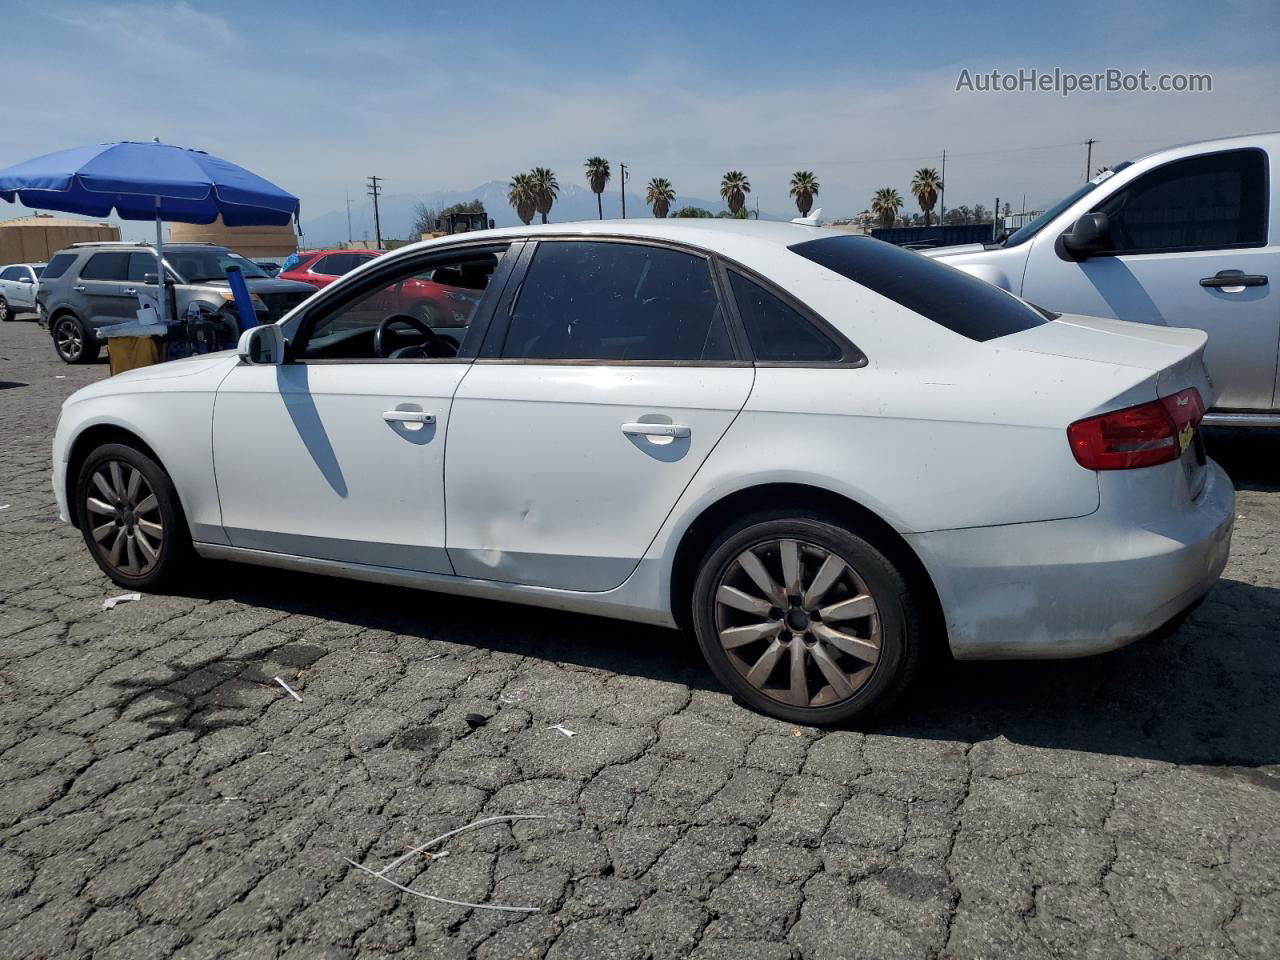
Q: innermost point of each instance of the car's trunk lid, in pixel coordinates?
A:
(1162, 361)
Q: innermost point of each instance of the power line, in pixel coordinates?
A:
(375, 191)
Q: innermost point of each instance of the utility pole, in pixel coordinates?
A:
(942, 201)
(375, 191)
(1088, 157)
(349, 237)
(622, 180)
(995, 220)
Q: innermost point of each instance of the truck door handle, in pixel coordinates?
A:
(1234, 278)
(408, 416)
(655, 430)
(78, 288)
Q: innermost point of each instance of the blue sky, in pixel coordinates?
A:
(436, 96)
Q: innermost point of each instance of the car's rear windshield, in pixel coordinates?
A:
(947, 296)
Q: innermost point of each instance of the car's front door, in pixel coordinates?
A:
(1180, 235)
(606, 379)
(338, 454)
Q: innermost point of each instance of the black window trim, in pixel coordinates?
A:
(1266, 206)
(496, 336)
(341, 294)
(851, 356)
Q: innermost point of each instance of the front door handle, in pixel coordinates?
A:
(130, 291)
(655, 430)
(1234, 278)
(78, 288)
(408, 416)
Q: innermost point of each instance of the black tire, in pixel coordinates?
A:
(132, 520)
(895, 626)
(72, 342)
(5, 313)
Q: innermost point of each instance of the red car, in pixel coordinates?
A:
(441, 298)
(321, 267)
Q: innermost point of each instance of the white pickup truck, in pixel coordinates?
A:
(1180, 238)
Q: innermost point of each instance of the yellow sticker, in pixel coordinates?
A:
(1185, 437)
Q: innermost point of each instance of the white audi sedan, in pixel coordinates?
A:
(815, 452)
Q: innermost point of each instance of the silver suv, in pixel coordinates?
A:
(92, 285)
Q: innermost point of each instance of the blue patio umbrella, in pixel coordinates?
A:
(148, 181)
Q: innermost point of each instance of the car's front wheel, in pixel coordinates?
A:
(71, 341)
(131, 518)
(803, 618)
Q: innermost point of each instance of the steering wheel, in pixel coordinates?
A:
(433, 346)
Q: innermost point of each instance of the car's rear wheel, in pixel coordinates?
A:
(71, 342)
(5, 313)
(131, 518)
(804, 619)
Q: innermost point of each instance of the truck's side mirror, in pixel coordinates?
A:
(149, 279)
(1089, 235)
(262, 346)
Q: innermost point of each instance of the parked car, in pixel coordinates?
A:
(91, 285)
(443, 298)
(1183, 237)
(269, 267)
(319, 268)
(816, 452)
(18, 285)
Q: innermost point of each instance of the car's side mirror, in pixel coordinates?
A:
(262, 346)
(149, 279)
(1089, 235)
(24, 280)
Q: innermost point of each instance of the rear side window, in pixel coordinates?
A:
(58, 266)
(1201, 203)
(334, 265)
(777, 332)
(949, 297)
(590, 300)
(10, 273)
(106, 266)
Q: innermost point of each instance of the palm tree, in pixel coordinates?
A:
(734, 187)
(885, 204)
(926, 186)
(545, 188)
(804, 187)
(598, 177)
(522, 197)
(659, 195)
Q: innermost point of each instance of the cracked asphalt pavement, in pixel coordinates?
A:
(161, 795)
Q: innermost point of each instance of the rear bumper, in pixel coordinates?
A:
(1071, 588)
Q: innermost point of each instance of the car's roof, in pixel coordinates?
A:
(732, 238)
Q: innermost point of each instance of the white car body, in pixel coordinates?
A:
(19, 283)
(560, 488)
(1163, 286)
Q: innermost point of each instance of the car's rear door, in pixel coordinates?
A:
(609, 374)
(102, 286)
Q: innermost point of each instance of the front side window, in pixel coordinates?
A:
(141, 264)
(409, 317)
(202, 266)
(58, 266)
(106, 266)
(778, 332)
(584, 300)
(1210, 202)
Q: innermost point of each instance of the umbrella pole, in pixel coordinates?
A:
(163, 298)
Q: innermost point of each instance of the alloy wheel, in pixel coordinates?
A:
(798, 623)
(124, 517)
(68, 339)
(4, 310)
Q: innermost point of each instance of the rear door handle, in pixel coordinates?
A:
(1234, 278)
(78, 288)
(130, 291)
(655, 430)
(408, 416)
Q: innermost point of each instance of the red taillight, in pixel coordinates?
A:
(1140, 436)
